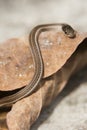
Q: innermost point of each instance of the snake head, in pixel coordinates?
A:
(69, 31)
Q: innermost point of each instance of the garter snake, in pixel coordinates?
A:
(38, 61)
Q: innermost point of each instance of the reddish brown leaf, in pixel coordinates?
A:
(16, 64)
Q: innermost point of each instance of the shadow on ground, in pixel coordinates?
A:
(74, 83)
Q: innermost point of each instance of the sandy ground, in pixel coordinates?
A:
(69, 110)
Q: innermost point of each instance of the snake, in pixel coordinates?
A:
(38, 61)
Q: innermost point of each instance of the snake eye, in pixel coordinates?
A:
(69, 31)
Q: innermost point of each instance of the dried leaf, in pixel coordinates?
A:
(64, 59)
(16, 64)
(49, 89)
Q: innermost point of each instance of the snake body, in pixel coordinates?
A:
(38, 61)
